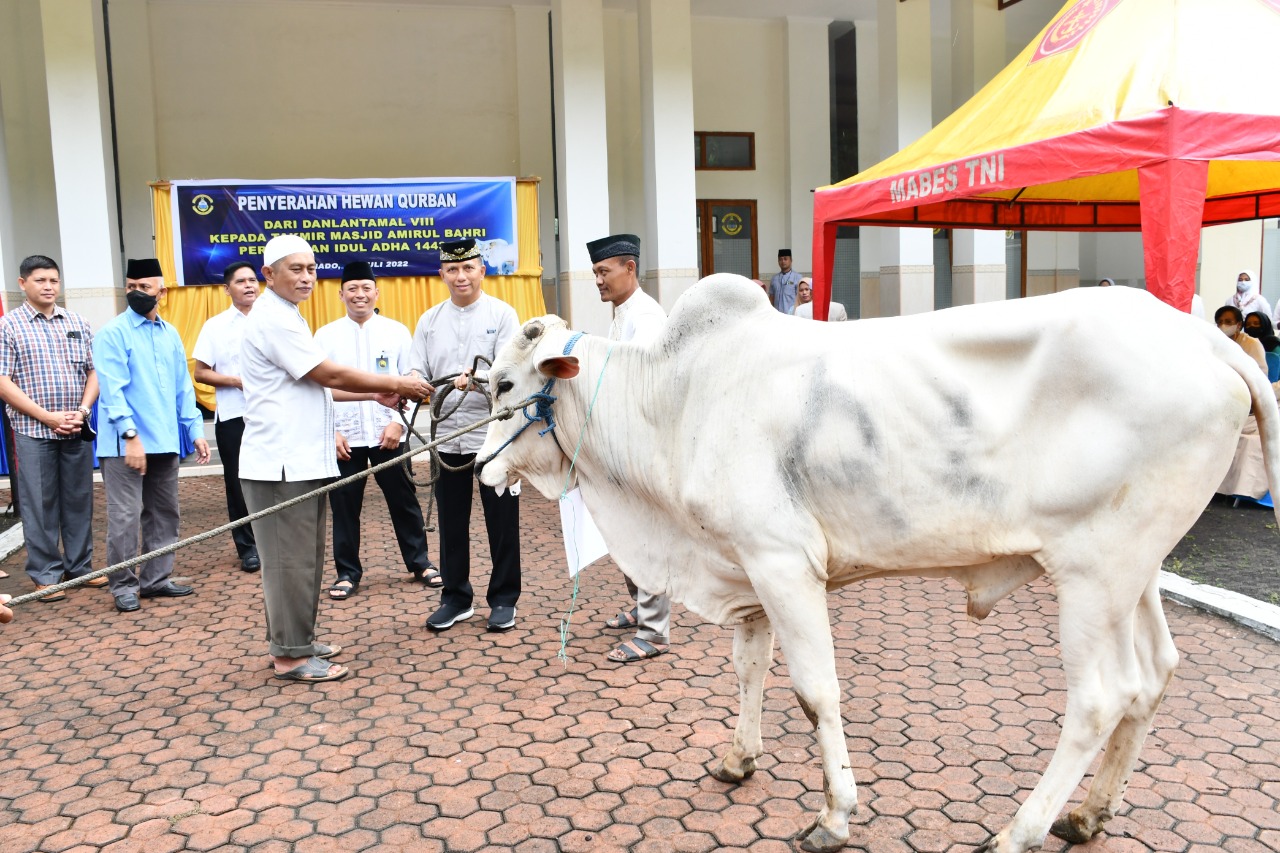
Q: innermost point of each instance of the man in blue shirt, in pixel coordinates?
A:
(782, 287)
(147, 409)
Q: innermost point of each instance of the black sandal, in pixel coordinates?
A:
(339, 592)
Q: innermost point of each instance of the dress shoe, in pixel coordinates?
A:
(443, 619)
(169, 590)
(502, 618)
(127, 603)
(252, 562)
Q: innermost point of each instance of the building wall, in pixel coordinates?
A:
(740, 84)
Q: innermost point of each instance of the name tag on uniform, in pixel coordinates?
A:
(383, 364)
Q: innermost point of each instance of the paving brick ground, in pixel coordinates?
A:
(162, 730)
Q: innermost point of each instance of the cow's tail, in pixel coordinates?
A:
(1267, 413)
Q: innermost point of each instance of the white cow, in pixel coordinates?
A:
(746, 462)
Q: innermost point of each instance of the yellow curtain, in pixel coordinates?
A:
(403, 299)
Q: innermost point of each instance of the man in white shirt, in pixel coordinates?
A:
(369, 433)
(446, 341)
(288, 450)
(637, 318)
(217, 355)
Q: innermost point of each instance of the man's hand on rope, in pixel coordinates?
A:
(413, 387)
(463, 382)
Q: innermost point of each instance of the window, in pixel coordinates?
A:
(716, 150)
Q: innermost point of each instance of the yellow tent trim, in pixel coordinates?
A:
(403, 299)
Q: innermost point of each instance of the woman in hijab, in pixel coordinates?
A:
(1230, 322)
(1248, 296)
(804, 304)
(1258, 327)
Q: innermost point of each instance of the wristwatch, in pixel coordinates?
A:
(84, 410)
(128, 434)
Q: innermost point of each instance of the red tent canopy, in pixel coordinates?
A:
(1123, 115)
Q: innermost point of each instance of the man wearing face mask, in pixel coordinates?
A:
(147, 408)
(1248, 297)
(1230, 322)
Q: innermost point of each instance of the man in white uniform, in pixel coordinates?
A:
(217, 356)
(637, 318)
(288, 451)
(446, 341)
(368, 433)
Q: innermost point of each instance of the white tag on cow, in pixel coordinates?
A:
(583, 543)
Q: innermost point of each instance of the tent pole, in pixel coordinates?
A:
(824, 263)
(1172, 196)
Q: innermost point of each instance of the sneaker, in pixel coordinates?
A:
(502, 618)
(443, 619)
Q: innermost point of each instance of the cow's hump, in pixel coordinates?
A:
(713, 304)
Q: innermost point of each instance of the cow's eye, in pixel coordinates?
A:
(504, 386)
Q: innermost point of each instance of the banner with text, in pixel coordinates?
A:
(395, 225)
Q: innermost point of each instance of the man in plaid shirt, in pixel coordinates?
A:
(47, 380)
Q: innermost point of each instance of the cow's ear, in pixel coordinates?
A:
(559, 366)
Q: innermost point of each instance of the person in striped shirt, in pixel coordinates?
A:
(49, 384)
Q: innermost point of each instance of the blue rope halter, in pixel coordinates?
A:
(541, 405)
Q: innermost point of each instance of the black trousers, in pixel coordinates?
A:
(227, 434)
(501, 519)
(402, 505)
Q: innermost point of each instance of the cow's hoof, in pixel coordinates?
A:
(724, 773)
(1073, 830)
(818, 839)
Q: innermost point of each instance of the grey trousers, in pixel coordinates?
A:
(291, 544)
(653, 612)
(55, 491)
(145, 504)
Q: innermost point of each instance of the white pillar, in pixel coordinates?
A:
(906, 112)
(577, 38)
(9, 259)
(537, 155)
(808, 129)
(1053, 261)
(978, 264)
(670, 244)
(867, 58)
(84, 175)
(135, 122)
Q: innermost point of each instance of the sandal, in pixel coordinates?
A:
(429, 577)
(51, 597)
(343, 590)
(635, 649)
(625, 620)
(314, 670)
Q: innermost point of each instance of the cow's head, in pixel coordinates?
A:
(514, 449)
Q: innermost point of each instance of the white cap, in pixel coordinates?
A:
(282, 246)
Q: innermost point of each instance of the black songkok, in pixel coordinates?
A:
(612, 247)
(143, 268)
(358, 271)
(458, 250)
(784, 253)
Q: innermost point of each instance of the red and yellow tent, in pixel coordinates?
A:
(1122, 115)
